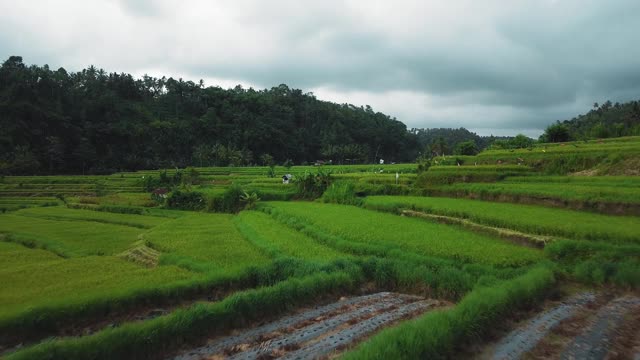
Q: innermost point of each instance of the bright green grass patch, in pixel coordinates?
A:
(412, 235)
(34, 278)
(563, 191)
(605, 181)
(528, 218)
(70, 237)
(127, 198)
(204, 242)
(279, 239)
(59, 213)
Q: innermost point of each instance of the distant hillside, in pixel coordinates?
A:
(91, 121)
(427, 138)
(603, 121)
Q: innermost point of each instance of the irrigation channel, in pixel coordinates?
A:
(315, 333)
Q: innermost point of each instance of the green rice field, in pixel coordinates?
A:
(155, 263)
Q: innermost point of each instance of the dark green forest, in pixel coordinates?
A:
(91, 121)
(602, 121)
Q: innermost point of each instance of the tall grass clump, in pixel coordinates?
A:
(342, 192)
(312, 186)
(167, 333)
(598, 263)
(439, 334)
(230, 201)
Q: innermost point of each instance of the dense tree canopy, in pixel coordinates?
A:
(54, 121)
(603, 121)
(435, 141)
(91, 121)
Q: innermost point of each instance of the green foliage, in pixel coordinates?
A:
(438, 334)
(606, 120)
(164, 180)
(520, 141)
(109, 208)
(151, 123)
(167, 333)
(444, 174)
(230, 201)
(249, 200)
(585, 196)
(203, 242)
(186, 200)
(341, 192)
(312, 186)
(191, 176)
(287, 164)
(597, 262)
(555, 133)
(278, 240)
(70, 238)
(116, 215)
(526, 218)
(267, 160)
(424, 164)
(466, 148)
(372, 233)
(272, 171)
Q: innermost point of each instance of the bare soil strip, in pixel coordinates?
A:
(341, 339)
(596, 340)
(627, 342)
(525, 338)
(315, 332)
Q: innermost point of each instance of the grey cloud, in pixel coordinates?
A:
(502, 65)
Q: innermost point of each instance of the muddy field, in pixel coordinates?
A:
(320, 332)
(584, 326)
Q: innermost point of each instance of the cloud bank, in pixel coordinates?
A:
(495, 67)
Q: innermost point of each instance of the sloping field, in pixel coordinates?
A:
(528, 218)
(419, 237)
(204, 242)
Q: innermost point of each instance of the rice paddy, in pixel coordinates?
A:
(104, 266)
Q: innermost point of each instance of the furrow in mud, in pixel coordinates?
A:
(243, 340)
(525, 338)
(314, 330)
(596, 340)
(344, 337)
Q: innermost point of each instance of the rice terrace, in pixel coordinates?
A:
(226, 190)
(495, 261)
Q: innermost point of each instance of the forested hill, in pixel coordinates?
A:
(603, 121)
(54, 121)
(430, 138)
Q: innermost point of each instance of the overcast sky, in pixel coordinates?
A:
(495, 67)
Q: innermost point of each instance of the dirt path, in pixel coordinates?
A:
(317, 332)
(605, 325)
(525, 338)
(596, 340)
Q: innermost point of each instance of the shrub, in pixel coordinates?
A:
(228, 202)
(249, 200)
(312, 186)
(186, 200)
(341, 193)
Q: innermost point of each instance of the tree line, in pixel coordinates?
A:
(602, 121)
(91, 121)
